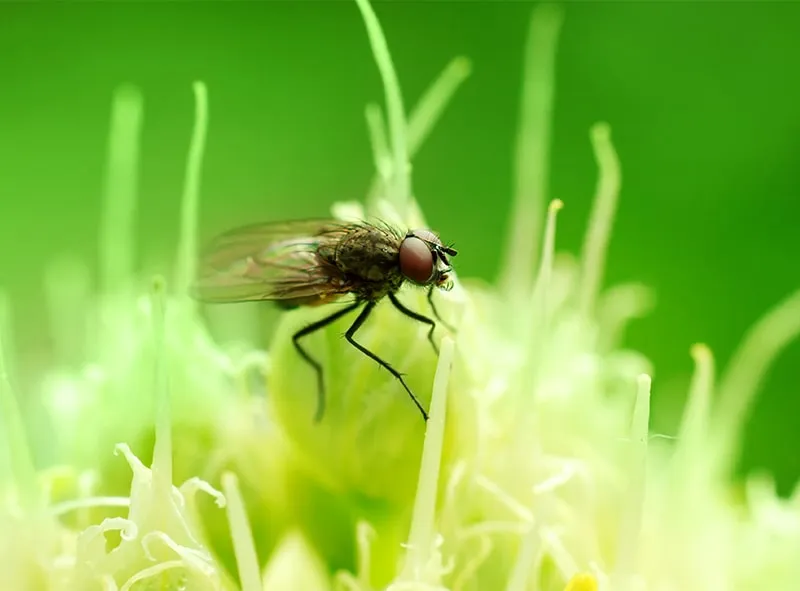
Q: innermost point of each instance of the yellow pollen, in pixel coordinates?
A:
(582, 582)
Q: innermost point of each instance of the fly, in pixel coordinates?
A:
(315, 262)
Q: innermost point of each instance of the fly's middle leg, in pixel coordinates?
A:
(349, 336)
(311, 328)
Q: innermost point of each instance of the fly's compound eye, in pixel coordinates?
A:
(426, 235)
(416, 260)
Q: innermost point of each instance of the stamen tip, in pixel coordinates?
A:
(601, 131)
(463, 66)
(700, 351)
(128, 93)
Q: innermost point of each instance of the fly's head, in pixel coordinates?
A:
(424, 259)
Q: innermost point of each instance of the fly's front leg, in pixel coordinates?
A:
(349, 336)
(418, 318)
(436, 312)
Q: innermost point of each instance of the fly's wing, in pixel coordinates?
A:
(271, 261)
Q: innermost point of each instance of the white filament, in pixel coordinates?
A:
(187, 245)
(421, 536)
(119, 206)
(601, 220)
(400, 190)
(243, 545)
(532, 150)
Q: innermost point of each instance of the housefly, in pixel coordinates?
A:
(315, 262)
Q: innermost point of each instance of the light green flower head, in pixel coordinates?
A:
(535, 471)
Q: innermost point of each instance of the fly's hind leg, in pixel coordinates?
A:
(349, 336)
(311, 328)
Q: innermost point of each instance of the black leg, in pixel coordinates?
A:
(313, 362)
(436, 313)
(418, 318)
(349, 336)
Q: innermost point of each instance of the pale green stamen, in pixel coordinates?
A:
(119, 206)
(747, 368)
(421, 536)
(421, 121)
(532, 151)
(117, 233)
(601, 220)
(631, 525)
(400, 191)
(693, 434)
(191, 190)
(88, 503)
(520, 511)
(529, 555)
(617, 306)
(539, 309)
(690, 478)
(295, 565)
(151, 572)
(381, 153)
(542, 284)
(345, 581)
(162, 453)
(243, 546)
(430, 107)
(554, 546)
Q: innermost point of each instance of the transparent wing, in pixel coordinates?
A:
(271, 261)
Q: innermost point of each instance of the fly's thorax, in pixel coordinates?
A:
(365, 254)
(375, 290)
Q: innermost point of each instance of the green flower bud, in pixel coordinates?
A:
(369, 440)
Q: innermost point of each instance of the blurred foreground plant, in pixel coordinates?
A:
(536, 470)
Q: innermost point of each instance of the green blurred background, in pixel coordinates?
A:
(704, 101)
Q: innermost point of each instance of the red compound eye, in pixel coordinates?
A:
(416, 260)
(427, 236)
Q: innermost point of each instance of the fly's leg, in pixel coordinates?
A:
(436, 313)
(311, 328)
(418, 318)
(349, 336)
